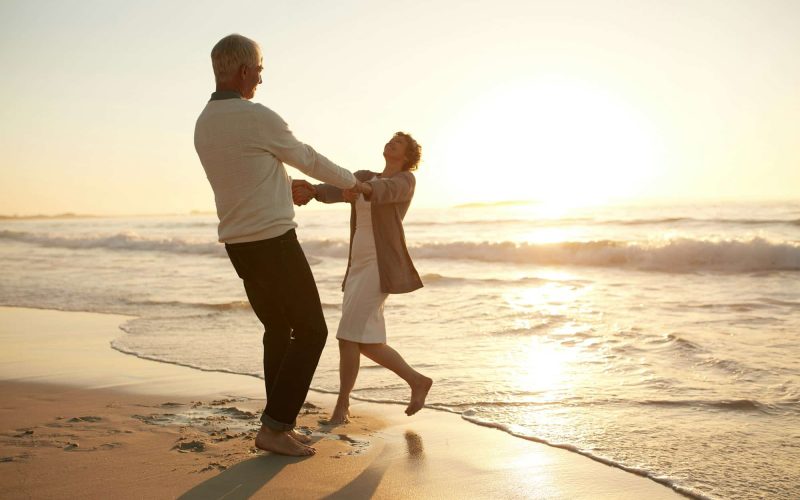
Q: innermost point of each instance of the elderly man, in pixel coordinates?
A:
(243, 147)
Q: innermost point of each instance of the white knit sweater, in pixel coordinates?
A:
(243, 146)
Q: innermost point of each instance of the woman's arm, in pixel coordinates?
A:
(396, 189)
(326, 193)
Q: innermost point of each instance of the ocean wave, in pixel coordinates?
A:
(678, 255)
(734, 405)
(132, 241)
(526, 221)
(224, 306)
(570, 221)
(677, 341)
(732, 306)
(67, 215)
(779, 303)
(128, 240)
(439, 279)
(236, 305)
(327, 247)
(545, 325)
(117, 346)
(693, 220)
(743, 405)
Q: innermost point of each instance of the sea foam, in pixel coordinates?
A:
(678, 255)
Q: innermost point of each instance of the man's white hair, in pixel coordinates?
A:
(230, 53)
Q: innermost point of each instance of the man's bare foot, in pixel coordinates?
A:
(281, 443)
(419, 391)
(299, 437)
(341, 415)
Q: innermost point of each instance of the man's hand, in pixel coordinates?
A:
(302, 192)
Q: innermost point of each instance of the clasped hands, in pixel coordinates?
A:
(350, 195)
(303, 191)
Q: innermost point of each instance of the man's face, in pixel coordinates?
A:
(252, 78)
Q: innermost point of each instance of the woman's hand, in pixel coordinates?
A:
(364, 188)
(350, 195)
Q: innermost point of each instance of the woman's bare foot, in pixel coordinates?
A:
(419, 391)
(341, 415)
(281, 443)
(300, 438)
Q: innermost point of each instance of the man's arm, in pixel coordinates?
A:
(280, 141)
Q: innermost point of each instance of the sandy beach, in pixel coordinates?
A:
(81, 420)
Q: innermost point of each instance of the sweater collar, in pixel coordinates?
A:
(225, 94)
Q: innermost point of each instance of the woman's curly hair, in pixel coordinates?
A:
(413, 151)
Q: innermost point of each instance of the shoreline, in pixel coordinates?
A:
(190, 433)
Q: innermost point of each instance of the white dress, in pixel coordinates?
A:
(362, 307)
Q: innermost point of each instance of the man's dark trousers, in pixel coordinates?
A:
(283, 294)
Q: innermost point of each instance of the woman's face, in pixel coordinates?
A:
(395, 149)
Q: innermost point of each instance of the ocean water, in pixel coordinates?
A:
(664, 340)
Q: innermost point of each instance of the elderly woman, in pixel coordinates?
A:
(378, 265)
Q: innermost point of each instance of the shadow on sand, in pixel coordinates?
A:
(366, 483)
(243, 480)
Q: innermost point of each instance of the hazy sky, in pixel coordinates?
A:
(560, 100)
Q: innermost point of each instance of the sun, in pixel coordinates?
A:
(553, 140)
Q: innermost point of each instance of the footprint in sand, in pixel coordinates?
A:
(358, 446)
(85, 419)
(190, 446)
(170, 404)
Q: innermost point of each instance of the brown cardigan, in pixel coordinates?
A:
(389, 203)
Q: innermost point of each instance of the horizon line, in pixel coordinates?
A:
(477, 204)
